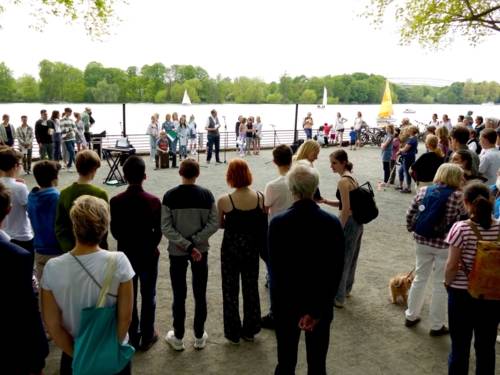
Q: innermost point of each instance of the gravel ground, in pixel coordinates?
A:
(367, 336)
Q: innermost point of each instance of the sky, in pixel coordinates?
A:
(258, 38)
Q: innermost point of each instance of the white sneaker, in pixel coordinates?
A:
(174, 342)
(200, 343)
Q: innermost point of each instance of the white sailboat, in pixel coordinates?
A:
(325, 99)
(185, 99)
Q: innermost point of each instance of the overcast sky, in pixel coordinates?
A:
(259, 38)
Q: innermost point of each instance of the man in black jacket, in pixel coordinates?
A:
(43, 135)
(305, 274)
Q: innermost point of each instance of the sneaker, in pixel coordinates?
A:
(267, 322)
(174, 342)
(200, 343)
(439, 332)
(146, 345)
(218, 162)
(411, 323)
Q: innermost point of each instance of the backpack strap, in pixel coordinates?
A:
(474, 228)
(110, 271)
(101, 287)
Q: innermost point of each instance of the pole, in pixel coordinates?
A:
(295, 134)
(124, 131)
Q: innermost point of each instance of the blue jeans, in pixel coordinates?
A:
(146, 275)
(404, 170)
(172, 145)
(213, 140)
(199, 270)
(467, 316)
(183, 151)
(57, 147)
(353, 233)
(152, 147)
(70, 146)
(309, 133)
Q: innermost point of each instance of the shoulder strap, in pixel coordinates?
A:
(231, 199)
(474, 228)
(259, 195)
(110, 271)
(92, 277)
(353, 180)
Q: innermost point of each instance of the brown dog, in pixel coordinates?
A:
(399, 286)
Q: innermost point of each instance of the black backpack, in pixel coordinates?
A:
(363, 206)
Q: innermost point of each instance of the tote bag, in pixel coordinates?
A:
(97, 349)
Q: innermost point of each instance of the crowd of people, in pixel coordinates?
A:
(63, 235)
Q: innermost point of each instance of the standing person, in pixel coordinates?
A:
(339, 128)
(425, 167)
(242, 216)
(237, 129)
(435, 121)
(408, 154)
(16, 224)
(213, 138)
(192, 130)
(72, 281)
(353, 134)
(473, 143)
(250, 132)
(444, 141)
(182, 133)
(88, 121)
(386, 147)
(469, 316)
(258, 135)
(169, 127)
(68, 135)
(459, 137)
(42, 208)
(277, 198)
(24, 135)
(490, 156)
(243, 136)
(163, 153)
(431, 249)
(23, 325)
(307, 124)
(353, 231)
(87, 163)
(358, 125)
(446, 123)
(43, 134)
(308, 152)
(153, 133)
(7, 132)
(479, 125)
(56, 136)
(188, 220)
(303, 285)
(139, 239)
(81, 142)
(396, 144)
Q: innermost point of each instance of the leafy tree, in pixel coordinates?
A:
(433, 22)
(161, 96)
(153, 80)
(308, 97)
(105, 92)
(274, 98)
(7, 84)
(61, 82)
(27, 89)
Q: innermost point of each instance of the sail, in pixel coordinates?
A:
(386, 106)
(185, 98)
(325, 97)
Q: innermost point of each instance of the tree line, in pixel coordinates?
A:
(157, 83)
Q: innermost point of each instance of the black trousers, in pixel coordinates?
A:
(387, 170)
(288, 336)
(67, 361)
(213, 141)
(199, 270)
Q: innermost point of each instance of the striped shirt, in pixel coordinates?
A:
(455, 211)
(462, 236)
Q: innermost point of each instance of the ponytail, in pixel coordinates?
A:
(478, 196)
(349, 166)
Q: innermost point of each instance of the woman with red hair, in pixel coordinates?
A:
(241, 214)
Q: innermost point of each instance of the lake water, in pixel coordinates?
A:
(109, 116)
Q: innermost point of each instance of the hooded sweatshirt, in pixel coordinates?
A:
(42, 205)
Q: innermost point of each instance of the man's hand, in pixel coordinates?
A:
(307, 323)
(196, 255)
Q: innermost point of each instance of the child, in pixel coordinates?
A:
(353, 136)
(24, 135)
(192, 135)
(16, 224)
(42, 208)
(182, 133)
(162, 148)
(87, 164)
(326, 132)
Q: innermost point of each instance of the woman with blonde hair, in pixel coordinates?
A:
(443, 140)
(429, 229)
(309, 150)
(426, 166)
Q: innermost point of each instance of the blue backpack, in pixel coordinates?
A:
(430, 220)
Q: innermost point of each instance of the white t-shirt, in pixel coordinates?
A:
(277, 196)
(73, 288)
(358, 122)
(17, 224)
(489, 162)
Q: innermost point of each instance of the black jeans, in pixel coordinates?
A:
(146, 276)
(27, 160)
(288, 336)
(26, 245)
(387, 170)
(393, 172)
(67, 361)
(199, 270)
(46, 151)
(213, 140)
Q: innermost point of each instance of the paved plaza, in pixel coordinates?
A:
(368, 336)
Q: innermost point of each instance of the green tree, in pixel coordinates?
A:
(61, 82)
(274, 98)
(105, 92)
(153, 79)
(433, 22)
(7, 84)
(27, 89)
(308, 97)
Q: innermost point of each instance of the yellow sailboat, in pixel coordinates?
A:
(385, 113)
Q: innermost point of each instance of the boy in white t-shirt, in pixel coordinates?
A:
(16, 224)
(278, 198)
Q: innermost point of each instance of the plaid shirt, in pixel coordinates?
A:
(455, 211)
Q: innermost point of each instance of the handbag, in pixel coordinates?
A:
(97, 349)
